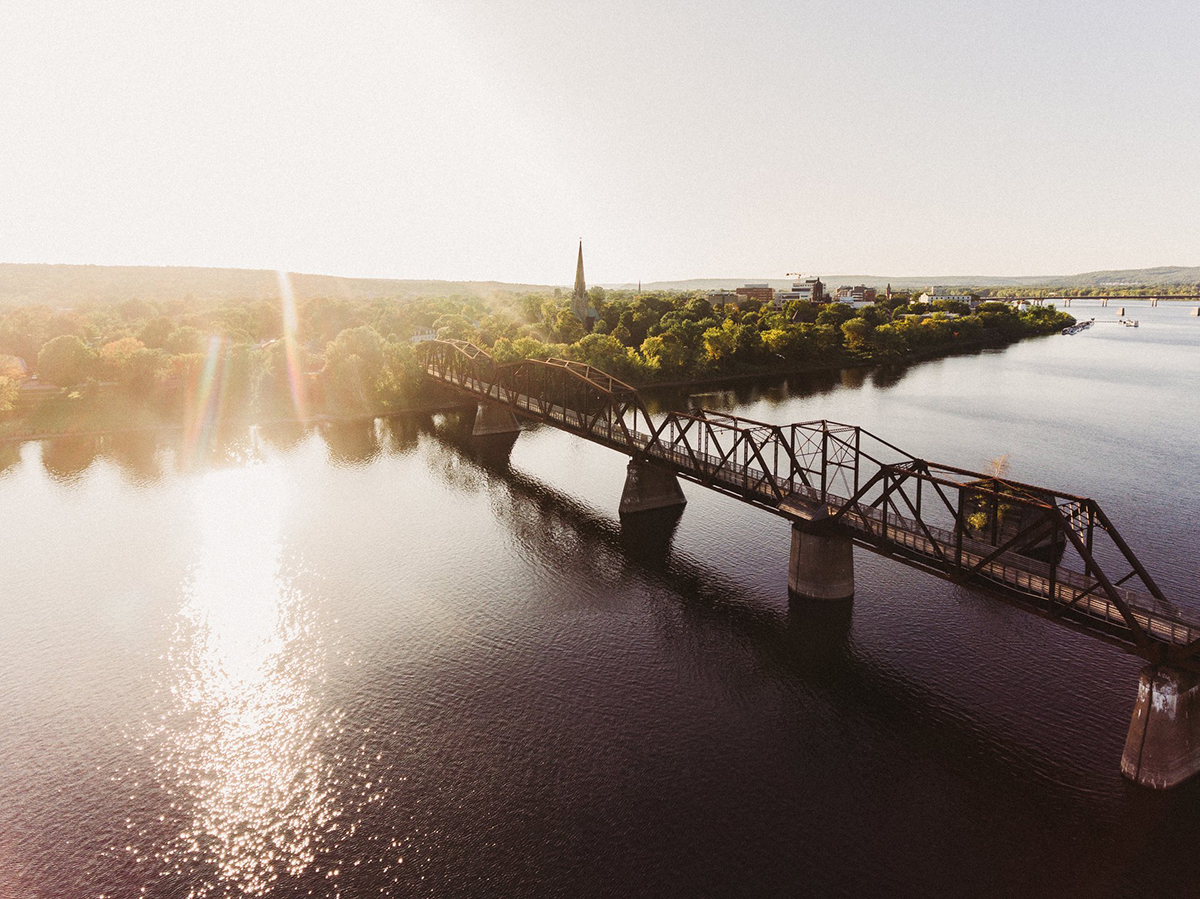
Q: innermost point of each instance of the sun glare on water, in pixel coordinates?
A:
(241, 748)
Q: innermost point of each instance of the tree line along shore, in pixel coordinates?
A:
(142, 364)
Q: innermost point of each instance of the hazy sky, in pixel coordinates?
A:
(479, 140)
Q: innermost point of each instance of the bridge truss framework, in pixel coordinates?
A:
(1052, 553)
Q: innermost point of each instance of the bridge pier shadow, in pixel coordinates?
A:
(646, 537)
(818, 632)
(491, 451)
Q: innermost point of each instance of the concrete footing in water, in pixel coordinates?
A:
(1163, 746)
(648, 488)
(493, 419)
(821, 565)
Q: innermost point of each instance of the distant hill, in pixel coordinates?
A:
(1148, 277)
(1138, 277)
(66, 285)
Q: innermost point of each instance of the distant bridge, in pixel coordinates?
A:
(1103, 298)
(1121, 296)
(1049, 552)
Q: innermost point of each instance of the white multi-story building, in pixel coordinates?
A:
(969, 298)
(810, 291)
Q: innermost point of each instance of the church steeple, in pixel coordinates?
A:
(579, 299)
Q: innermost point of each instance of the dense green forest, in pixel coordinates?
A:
(147, 363)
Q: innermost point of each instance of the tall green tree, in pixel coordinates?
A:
(66, 360)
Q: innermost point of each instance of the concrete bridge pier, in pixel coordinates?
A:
(492, 419)
(821, 565)
(648, 487)
(1163, 746)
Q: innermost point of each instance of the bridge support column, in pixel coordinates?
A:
(1163, 746)
(821, 565)
(648, 487)
(494, 419)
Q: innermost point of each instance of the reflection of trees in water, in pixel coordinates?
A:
(853, 378)
(137, 455)
(886, 377)
(67, 458)
(403, 432)
(773, 390)
(140, 456)
(230, 447)
(143, 457)
(351, 443)
(813, 383)
(357, 443)
(10, 455)
(283, 435)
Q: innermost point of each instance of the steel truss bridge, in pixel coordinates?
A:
(1049, 552)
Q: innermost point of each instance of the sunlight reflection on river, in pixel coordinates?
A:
(377, 658)
(238, 750)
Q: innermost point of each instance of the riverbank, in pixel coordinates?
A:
(86, 425)
(77, 415)
(971, 349)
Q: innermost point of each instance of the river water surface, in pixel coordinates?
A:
(364, 660)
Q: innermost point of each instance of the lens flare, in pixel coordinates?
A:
(291, 347)
(206, 391)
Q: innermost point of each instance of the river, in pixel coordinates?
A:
(362, 660)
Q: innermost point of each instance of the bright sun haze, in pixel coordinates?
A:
(471, 140)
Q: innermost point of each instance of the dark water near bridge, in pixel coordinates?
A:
(363, 661)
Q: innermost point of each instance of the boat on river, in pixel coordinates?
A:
(1077, 327)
